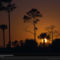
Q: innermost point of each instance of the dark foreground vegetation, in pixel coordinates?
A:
(30, 48)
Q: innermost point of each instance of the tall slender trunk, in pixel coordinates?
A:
(3, 38)
(34, 32)
(9, 28)
(52, 36)
(0, 43)
(43, 42)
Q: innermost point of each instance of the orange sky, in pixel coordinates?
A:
(50, 9)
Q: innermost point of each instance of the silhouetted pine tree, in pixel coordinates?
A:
(33, 15)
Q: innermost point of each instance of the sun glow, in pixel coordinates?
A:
(46, 40)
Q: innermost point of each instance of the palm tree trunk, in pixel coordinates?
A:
(3, 38)
(0, 43)
(9, 28)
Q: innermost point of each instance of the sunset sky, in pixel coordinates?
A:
(50, 10)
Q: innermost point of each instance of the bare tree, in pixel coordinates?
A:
(52, 31)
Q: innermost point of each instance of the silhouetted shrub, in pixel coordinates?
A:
(56, 43)
(30, 43)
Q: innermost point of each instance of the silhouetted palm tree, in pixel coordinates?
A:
(9, 8)
(32, 15)
(43, 36)
(2, 7)
(3, 27)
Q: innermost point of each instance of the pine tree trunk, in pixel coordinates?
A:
(34, 32)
